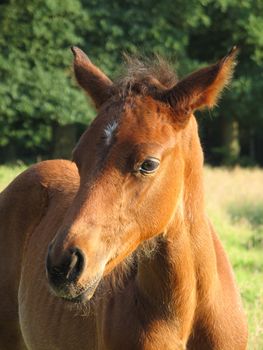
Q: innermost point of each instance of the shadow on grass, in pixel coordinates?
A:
(251, 213)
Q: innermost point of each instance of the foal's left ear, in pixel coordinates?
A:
(202, 88)
(91, 78)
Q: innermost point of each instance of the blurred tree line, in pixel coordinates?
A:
(42, 112)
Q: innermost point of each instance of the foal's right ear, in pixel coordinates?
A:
(91, 78)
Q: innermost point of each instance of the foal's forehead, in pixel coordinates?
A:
(143, 119)
(137, 124)
(135, 119)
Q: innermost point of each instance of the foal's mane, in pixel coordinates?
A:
(143, 75)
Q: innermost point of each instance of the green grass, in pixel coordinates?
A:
(235, 206)
(8, 173)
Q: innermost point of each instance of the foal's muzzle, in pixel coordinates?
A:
(64, 273)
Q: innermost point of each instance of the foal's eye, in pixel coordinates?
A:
(149, 166)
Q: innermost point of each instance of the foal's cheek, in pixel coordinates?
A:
(169, 199)
(171, 188)
(155, 216)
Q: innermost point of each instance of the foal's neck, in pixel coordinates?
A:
(172, 281)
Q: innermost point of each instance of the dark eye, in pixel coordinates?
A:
(149, 166)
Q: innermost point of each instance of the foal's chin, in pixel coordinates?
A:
(76, 294)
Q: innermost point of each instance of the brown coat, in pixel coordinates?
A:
(117, 252)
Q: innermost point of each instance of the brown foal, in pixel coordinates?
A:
(114, 250)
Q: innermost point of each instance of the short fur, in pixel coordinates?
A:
(135, 250)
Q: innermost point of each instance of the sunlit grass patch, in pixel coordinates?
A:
(9, 172)
(235, 205)
(252, 212)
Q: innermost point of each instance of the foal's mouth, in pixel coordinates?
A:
(85, 293)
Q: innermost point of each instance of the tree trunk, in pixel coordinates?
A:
(252, 153)
(64, 140)
(230, 141)
(9, 154)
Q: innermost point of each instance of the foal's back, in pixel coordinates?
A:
(31, 207)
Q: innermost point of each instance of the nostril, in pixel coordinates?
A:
(67, 269)
(57, 270)
(76, 265)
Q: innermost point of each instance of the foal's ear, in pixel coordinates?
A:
(202, 88)
(91, 78)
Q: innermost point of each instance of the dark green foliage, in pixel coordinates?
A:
(37, 92)
(37, 88)
(240, 23)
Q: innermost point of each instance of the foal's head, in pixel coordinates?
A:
(132, 163)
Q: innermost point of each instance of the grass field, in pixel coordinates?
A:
(235, 205)
(8, 173)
